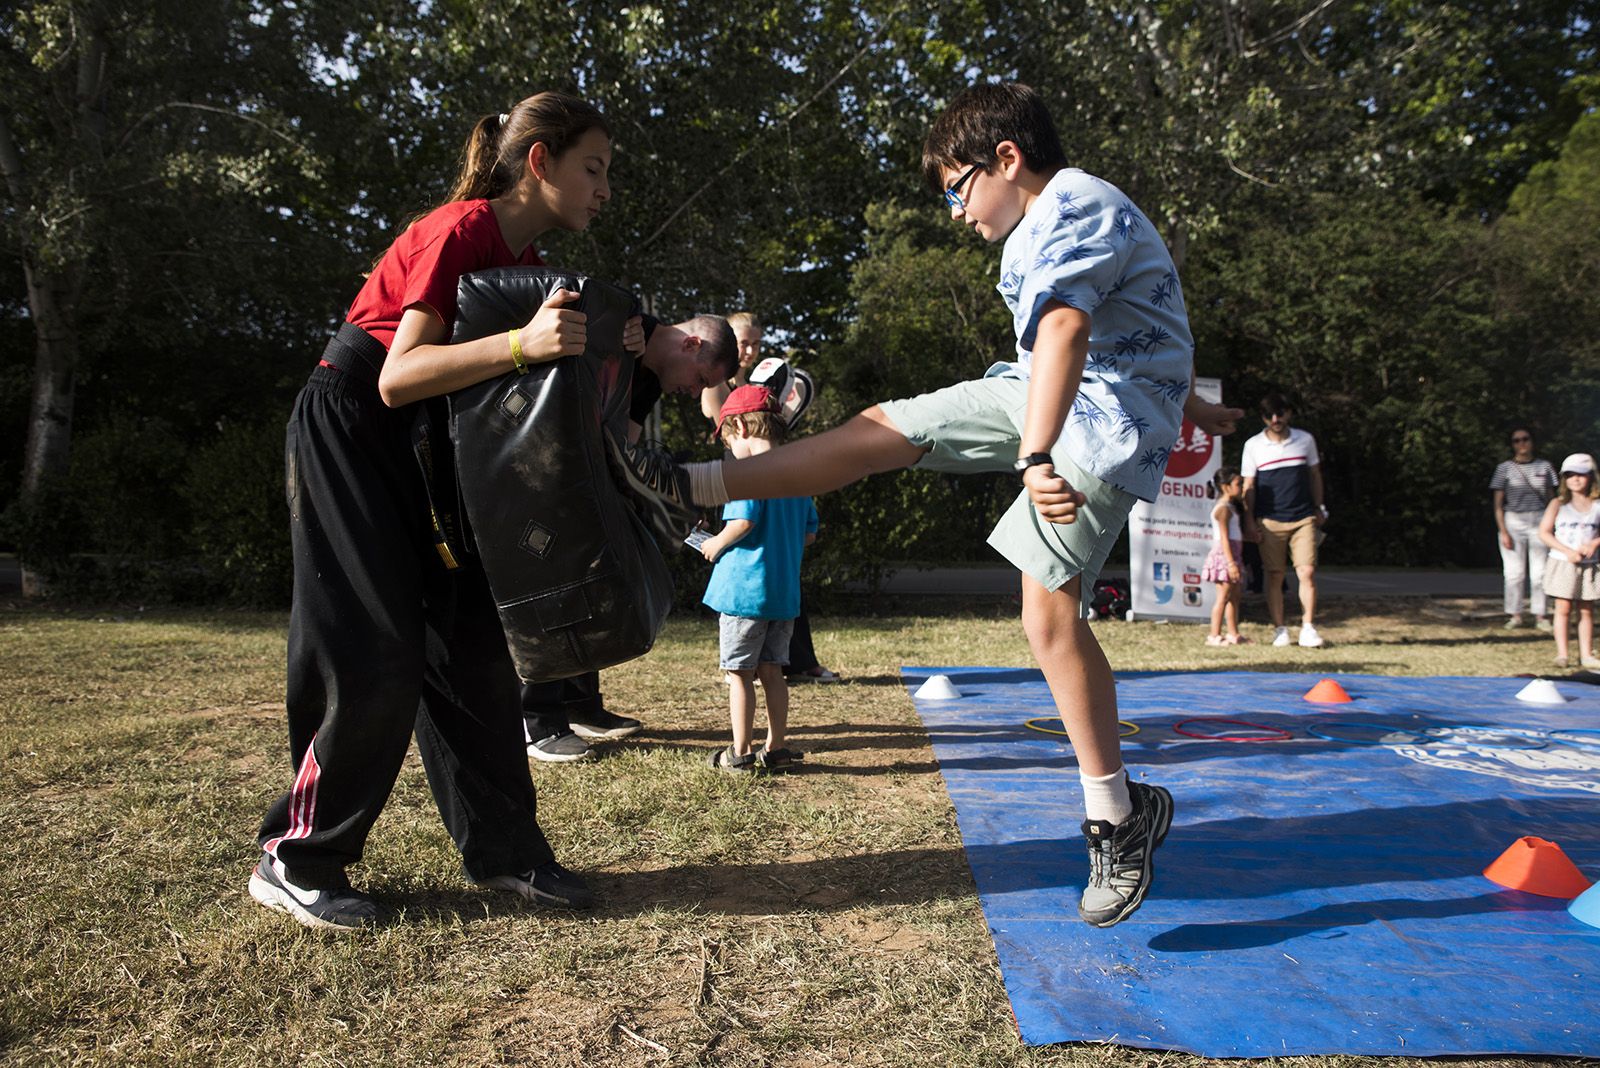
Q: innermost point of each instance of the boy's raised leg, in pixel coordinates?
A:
(867, 444)
(1127, 819)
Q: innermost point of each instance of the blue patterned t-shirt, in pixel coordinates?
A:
(1085, 244)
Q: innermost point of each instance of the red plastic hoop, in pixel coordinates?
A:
(1278, 735)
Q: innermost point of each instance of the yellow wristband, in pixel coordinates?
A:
(516, 351)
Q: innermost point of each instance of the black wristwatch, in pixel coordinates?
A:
(1033, 459)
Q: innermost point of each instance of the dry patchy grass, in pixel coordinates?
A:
(823, 917)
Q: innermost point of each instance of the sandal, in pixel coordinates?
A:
(778, 759)
(728, 760)
(1236, 639)
(1215, 639)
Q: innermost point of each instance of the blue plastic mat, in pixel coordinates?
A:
(1318, 895)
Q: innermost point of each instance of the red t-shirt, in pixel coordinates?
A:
(425, 263)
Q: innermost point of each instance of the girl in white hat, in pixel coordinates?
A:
(1571, 528)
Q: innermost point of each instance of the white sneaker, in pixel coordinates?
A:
(1309, 636)
(1281, 638)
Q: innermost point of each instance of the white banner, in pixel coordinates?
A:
(1169, 539)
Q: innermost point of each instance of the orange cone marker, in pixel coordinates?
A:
(1328, 692)
(1536, 866)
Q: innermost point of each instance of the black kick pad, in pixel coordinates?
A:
(578, 580)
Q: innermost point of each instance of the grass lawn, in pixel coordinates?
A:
(822, 917)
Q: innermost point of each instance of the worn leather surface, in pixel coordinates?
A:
(579, 582)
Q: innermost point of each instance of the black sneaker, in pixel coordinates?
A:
(1120, 871)
(603, 724)
(562, 748)
(658, 486)
(547, 884)
(341, 909)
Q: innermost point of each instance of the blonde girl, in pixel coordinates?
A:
(1222, 563)
(1571, 530)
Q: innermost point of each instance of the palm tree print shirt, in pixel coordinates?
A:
(1087, 245)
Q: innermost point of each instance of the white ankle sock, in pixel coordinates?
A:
(1105, 797)
(705, 483)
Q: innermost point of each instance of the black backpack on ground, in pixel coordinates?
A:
(1111, 599)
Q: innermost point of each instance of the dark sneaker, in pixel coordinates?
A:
(341, 909)
(561, 748)
(603, 724)
(658, 486)
(1120, 871)
(547, 884)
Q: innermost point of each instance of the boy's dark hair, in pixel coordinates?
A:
(980, 118)
(1273, 403)
(719, 349)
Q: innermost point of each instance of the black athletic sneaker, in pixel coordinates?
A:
(342, 909)
(548, 884)
(603, 724)
(658, 486)
(563, 748)
(1120, 871)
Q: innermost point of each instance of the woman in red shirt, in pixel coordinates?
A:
(383, 638)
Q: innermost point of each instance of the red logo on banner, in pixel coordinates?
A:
(1191, 452)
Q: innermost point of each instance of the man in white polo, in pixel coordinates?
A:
(1283, 503)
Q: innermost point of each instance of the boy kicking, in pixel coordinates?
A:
(1085, 415)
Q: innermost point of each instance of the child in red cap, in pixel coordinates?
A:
(755, 587)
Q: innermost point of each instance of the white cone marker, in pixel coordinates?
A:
(1541, 692)
(937, 688)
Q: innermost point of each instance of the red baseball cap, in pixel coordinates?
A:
(743, 400)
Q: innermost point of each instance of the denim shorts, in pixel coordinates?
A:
(977, 426)
(749, 643)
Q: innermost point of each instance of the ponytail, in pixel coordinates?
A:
(496, 151)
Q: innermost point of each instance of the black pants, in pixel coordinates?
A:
(802, 654)
(550, 707)
(383, 640)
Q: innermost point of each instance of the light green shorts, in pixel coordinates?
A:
(977, 426)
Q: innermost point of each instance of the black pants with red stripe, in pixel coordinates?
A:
(383, 641)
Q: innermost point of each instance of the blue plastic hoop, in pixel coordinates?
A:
(1278, 735)
(1320, 729)
(1576, 741)
(1533, 743)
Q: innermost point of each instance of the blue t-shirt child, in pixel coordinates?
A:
(758, 576)
(1084, 243)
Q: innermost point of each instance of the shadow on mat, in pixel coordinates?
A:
(1253, 934)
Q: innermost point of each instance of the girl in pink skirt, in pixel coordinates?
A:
(1222, 564)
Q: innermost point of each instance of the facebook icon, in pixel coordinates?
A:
(1163, 572)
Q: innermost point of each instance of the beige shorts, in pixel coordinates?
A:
(1282, 540)
(976, 426)
(1570, 581)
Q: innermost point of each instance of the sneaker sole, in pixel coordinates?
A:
(658, 512)
(279, 901)
(558, 758)
(1163, 823)
(611, 735)
(528, 892)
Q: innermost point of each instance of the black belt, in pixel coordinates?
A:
(356, 353)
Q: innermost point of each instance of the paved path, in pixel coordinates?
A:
(1331, 582)
(981, 581)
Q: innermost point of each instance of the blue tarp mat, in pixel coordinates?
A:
(1314, 896)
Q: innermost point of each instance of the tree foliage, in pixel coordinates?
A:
(1386, 207)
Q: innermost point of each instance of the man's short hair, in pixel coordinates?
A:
(718, 347)
(1273, 403)
(749, 320)
(980, 118)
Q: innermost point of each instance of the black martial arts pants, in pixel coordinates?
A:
(550, 707)
(383, 640)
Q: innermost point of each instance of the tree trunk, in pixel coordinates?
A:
(51, 301)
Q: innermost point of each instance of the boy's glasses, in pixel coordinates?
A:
(953, 198)
(1520, 439)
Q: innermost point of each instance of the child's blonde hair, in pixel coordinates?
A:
(1564, 491)
(744, 318)
(764, 425)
